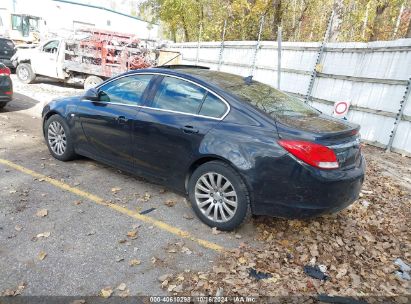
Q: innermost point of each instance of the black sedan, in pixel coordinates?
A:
(6, 85)
(235, 145)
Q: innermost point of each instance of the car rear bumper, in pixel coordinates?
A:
(6, 85)
(307, 192)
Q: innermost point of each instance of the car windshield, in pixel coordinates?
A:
(268, 99)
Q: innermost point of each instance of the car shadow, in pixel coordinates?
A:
(19, 102)
(57, 83)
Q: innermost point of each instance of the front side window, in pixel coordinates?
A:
(179, 95)
(127, 90)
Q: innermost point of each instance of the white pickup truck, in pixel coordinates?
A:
(87, 60)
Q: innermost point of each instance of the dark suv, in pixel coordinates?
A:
(7, 50)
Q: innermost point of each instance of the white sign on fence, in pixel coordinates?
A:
(341, 109)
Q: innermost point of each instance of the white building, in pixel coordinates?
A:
(70, 15)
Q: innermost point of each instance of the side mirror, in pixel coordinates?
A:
(91, 94)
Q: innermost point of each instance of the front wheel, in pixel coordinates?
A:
(218, 195)
(58, 138)
(25, 73)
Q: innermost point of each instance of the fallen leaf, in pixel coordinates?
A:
(43, 235)
(145, 197)
(242, 260)
(115, 189)
(77, 203)
(186, 250)
(122, 287)
(188, 216)
(78, 302)
(124, 294)
(355, 280)
(106, 292)
(132, 234)
(215, 231)
(42, 255)
(134, 262)
(42, 213)
(18, 228)
(169, 203)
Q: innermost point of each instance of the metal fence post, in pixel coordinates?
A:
(257, 46)
(319, 57)
(198, 43)
(279, 40)
(399, 114)
(220, 56)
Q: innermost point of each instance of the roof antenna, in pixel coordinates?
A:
(248, 79)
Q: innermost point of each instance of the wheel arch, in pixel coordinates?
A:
(48, 115)
(208, 158)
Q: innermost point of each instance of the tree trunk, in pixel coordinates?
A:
(338, 9)
(297, 28)
(408, 35)
(278, 15)
(378, 20)
(185, 28)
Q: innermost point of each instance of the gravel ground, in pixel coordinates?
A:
(80, 248)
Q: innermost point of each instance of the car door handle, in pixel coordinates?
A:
(122, 120)
(189, 129)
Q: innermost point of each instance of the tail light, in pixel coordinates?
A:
(316, 155)
(4, 71)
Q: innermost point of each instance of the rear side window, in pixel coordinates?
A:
(126, 90)
(178, 95)
(213, 107)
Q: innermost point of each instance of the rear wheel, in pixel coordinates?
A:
(25, 73)
(218, 195)
(58, 138)
(91, 82)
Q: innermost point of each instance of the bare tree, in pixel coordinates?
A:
(337, 19)
(408, 35)
(378, 20)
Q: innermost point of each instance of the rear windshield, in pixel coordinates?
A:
(6, 44)
(273, 102)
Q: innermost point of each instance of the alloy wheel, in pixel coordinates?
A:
(57, 138)
(216, 197)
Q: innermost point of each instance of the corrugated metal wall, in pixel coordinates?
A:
(372, 76)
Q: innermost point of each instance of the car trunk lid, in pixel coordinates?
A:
(339, 135)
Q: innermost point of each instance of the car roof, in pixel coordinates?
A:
(216, 79)
(4, 38)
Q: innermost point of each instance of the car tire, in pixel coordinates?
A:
(25, 73)
(61, 147)
(91, 82)
(206, 203)
(2, 106)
